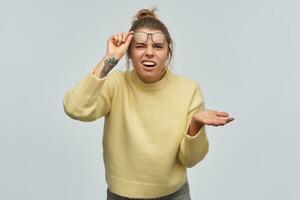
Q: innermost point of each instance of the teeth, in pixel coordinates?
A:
(148, 63)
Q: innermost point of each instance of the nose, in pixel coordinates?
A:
(149, 49)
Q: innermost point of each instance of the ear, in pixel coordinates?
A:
(169, 57)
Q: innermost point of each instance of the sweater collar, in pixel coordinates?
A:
(150, 86)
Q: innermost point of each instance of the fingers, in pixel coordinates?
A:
(117, 39)
(129, 37)
(221, 120)
(121, 38)
(222, 114)
(229, 119)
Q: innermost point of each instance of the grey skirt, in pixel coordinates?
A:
(182, 193)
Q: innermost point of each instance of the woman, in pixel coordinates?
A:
(154, 119)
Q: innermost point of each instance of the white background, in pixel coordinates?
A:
(244, 55)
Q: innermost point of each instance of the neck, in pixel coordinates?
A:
(163, 72)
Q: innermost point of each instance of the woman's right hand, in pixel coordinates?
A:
(118, 44)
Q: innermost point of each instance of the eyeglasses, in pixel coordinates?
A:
(142, 37)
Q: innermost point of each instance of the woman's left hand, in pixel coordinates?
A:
(212, 117)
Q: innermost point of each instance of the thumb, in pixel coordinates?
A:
(128, 39)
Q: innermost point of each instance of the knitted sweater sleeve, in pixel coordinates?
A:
(194, 148)
(89, 99)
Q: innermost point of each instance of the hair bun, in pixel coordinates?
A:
(146, 13)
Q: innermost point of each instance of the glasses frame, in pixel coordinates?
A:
(151, 36)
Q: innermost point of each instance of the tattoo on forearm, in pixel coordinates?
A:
(108, 65)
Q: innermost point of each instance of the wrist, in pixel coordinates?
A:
(196, 124)
(113, 55)
(194, 127)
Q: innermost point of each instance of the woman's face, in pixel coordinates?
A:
(149, 54)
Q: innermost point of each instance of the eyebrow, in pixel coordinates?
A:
(149, 32)
(145, 44)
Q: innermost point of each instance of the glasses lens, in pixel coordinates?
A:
(140, 37)
(158, 38)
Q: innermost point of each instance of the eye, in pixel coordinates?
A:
(139, 46)
(158, 46)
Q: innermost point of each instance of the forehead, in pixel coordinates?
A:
(148, 30)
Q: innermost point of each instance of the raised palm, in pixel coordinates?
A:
(212, 117)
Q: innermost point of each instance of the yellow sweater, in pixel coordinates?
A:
(146, 148)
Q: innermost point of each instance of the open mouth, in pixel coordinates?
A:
(149, 64)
